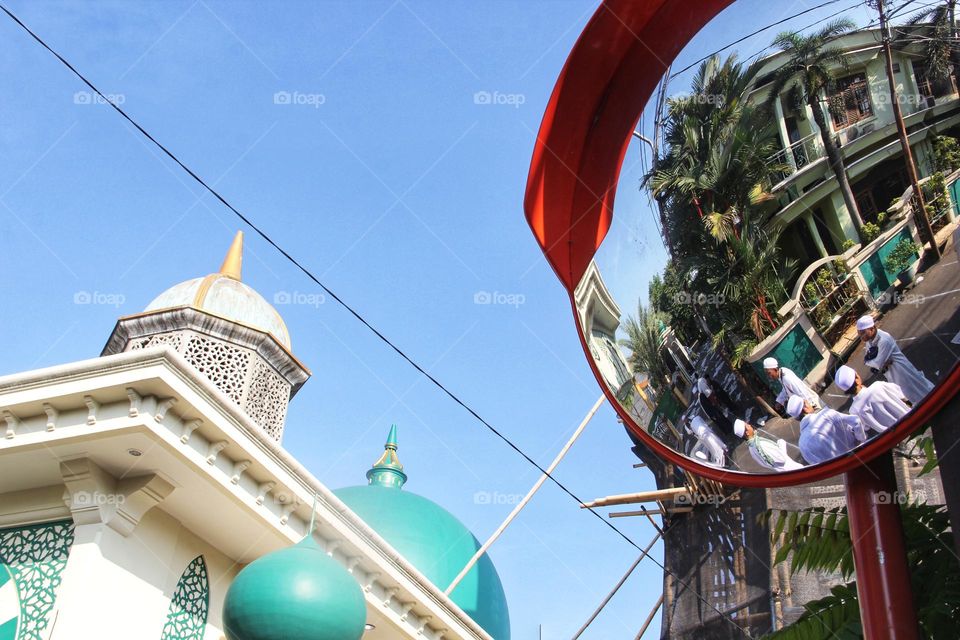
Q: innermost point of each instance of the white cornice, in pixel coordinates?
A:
(161, 373)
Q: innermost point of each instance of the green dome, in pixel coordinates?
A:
(297, 593)
(431, 539)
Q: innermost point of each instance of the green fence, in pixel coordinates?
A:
(875, 271)
(954, 189)
(796, 352)
(669, 409)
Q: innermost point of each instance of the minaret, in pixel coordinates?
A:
(229, 333)
(387, 471)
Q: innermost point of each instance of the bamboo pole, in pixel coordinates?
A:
(596, 612)
(649, 619)
(642, 496)
(520, 505)
(650, 512)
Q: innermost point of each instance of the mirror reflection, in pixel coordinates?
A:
(783, 286)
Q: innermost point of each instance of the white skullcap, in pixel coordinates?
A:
(845, 377)
(703, 387)
(795, 406)
(739, 428)
(770, 363)
(865, 322)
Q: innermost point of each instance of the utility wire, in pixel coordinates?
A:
(750, 35)
(356, 314)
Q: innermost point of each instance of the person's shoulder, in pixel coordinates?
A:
(859, 399)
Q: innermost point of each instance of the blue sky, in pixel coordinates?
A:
(353, 132)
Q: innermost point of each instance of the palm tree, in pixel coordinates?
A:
(808, 68)
(643, 340)
(713, 181)
(936, 26)
(717, 156)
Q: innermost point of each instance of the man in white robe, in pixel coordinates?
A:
(791, 383)
(824, 434)
(884, 356)
(879, 406)
(711, 442)
(767, 452)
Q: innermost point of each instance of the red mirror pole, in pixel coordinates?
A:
(879, 553)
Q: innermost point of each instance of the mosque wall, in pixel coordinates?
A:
(149, 584)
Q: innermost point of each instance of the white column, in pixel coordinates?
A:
(784, 134)
(815, 233)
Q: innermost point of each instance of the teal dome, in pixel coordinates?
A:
(297, 593)
(431, 539)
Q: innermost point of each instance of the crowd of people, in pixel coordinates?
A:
(825, 433)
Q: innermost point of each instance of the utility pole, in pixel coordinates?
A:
(920, 208)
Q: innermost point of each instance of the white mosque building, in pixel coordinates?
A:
(145, 494)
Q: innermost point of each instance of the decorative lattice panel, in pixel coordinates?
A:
(172, 339)
(34, 557)
(224, 364)
(239, 372)
(187, 616)
(267, 399)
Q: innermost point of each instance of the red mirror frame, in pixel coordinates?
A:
(605, 83)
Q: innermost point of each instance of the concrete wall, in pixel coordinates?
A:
(122, 586)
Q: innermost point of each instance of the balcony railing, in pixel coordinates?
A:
(797, 156)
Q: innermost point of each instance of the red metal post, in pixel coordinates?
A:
(879, 553)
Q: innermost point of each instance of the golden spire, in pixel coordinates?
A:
(232, 263)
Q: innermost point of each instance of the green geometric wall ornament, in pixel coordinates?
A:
(32, 560)
(187, 617)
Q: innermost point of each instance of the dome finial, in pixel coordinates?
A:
(387, 471)
(232, 263)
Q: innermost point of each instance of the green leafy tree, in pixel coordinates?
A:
(644, 336)
(717, 160)
(669, 295)
(818, 540)
(946, 154)
(713, 184)
(935, 27)
(808, 70)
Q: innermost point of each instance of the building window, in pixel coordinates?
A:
(849, 101)
(924, 86)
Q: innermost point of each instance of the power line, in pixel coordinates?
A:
(353, 312)
(813, 24)
(750, 35)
